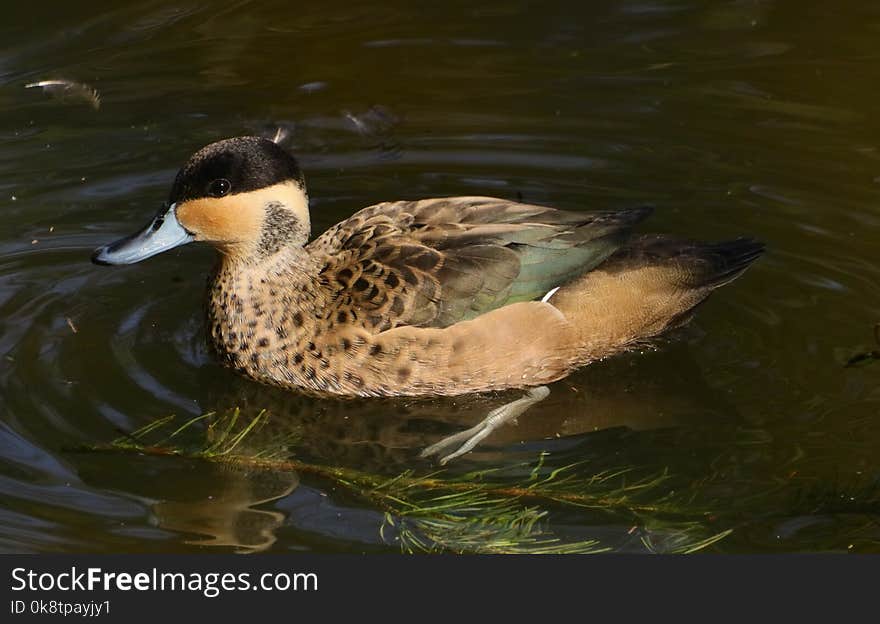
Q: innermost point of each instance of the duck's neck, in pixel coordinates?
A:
(262, 309)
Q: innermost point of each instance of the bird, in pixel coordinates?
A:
(429, 297)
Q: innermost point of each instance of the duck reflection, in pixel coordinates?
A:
(207, 504)
(229, 516)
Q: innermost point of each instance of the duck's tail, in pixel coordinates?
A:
(648, 287)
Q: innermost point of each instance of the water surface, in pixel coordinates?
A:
(733, 118)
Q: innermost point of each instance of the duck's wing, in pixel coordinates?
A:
(434, 262)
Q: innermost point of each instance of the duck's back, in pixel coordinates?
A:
(436, 262)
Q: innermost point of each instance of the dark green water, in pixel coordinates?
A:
(733, 118)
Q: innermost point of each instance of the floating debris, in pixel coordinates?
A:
(69, 90)
(860, 359)
(866, 357)
(281, 135)
(375, 120)
(358, 124)
(377, 125)
(71, 325)
(312, 87)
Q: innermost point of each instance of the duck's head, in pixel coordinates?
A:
(245, 196)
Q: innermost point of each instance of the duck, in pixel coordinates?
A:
(426, 297)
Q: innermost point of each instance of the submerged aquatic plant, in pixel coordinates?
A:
(524, 508)
(509, 509)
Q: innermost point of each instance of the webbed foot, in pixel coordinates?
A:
(497, 417)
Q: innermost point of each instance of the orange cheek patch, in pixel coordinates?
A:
(220, 220)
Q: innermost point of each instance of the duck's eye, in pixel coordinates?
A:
(219, 187)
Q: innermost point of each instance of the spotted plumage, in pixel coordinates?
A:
(437, 296)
